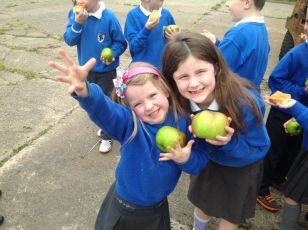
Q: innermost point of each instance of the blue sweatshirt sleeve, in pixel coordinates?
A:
(119, 43)
(231, 52)
(115, 119)
(196, 162)
(300, 113)
(280, 78)
(244, 148)
(136, 33)
(73, 30)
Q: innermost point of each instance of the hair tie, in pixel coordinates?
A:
(123, 76)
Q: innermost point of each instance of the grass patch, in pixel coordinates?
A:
(216, 7)
(26, 73)
(30, 142)
(21, 147)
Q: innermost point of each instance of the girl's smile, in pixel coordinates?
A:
(195, 80)
(149, 103)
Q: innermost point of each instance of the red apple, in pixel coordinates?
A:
(169, 136)
(209, 124)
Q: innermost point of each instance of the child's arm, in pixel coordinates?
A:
(295, 109)
(280, 79)
(73, 30)
(114, 119)
(189, 159)
(136, 34)
(119, 43)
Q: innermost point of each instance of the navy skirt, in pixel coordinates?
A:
(226, 192)
(296, 186)
(118, 214)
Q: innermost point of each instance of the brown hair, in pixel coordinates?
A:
(259, 4)
(230, 90)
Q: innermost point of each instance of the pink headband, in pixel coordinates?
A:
(122, 77)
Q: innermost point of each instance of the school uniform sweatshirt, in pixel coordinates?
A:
(300, 113)
(140, 177)
(146, 45)
(290, 74)
(101, 30)
(245, 48)
(244, 148)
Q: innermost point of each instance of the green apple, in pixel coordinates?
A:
(294, 128)
(169, 136)
(209, 124)
(306, 82)
(107, 54)
(169, 28)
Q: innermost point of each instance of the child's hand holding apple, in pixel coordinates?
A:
(178, 154)
(212, 126)
(153, 20)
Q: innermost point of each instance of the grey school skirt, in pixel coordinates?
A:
(117, 214)
(226, 192)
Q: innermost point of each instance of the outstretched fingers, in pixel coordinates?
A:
(66, 58)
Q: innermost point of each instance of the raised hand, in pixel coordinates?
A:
(286, 105)
(178, 154)
(73, 74)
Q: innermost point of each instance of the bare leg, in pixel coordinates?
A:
(226, 225)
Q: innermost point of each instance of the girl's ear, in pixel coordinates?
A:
(248, 4)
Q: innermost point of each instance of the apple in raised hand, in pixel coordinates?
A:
(169, 28)
(107, 54)
(209, 124)
(169, 136)
(306, 82)
(293, 127)
(155, 14)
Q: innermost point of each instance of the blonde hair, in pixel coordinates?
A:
(159, 82)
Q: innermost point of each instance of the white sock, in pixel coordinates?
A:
(199, 223)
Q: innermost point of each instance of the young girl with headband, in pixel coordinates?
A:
(144, 176)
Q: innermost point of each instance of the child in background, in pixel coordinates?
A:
(288, 76)
(227, 187)
(91, 29)
(295, 189)
(146, 37)
(144, 176)
(245, 46)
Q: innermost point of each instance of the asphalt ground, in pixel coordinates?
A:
(51, 174)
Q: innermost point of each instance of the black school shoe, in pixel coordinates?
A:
(269, 203)
(306, 216)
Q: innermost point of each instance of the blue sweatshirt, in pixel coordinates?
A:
(94, 35)
(146, 45)
(140, 178)
(244, 148)
(300, 113)
(290, 74)
(245, 48)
